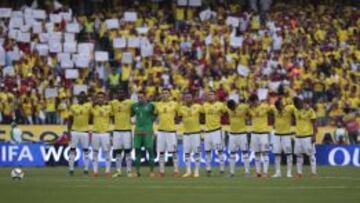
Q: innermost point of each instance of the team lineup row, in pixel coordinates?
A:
(262, 117)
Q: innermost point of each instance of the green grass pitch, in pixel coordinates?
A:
(53, 185)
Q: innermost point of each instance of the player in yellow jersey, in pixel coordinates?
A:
(238, 139)
(189, 113)
(213, 139)
(78, 129)
(166, 136)
(101, 113)
(259, 113)
(122, 136)
(281, 140)
(306, 130)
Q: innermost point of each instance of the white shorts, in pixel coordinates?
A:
(282, 143)
(101, 140)
(122, 140)
(166, 142)
(304, 146)
(213, 140)
(79, 137)
(191, 143)
(260, 142)
(238, 141)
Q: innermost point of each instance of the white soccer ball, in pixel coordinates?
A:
(17, 174)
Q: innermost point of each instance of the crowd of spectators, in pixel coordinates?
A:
(270, 48)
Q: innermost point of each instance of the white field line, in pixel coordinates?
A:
(191, 187)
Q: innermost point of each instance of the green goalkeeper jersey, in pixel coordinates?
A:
(145, 116)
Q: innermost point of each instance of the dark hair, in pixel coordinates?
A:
(231, 104)
(253, 98)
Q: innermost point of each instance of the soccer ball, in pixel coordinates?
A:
(17, 174)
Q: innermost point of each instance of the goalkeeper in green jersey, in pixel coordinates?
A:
(144, 112)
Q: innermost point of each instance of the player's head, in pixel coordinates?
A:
(141, 96)
(298, 102)
(279, 104)
(253, 100)
(231, 104)
(121, 94)
(165, 94)
(187, 96)
(211, 96)
(82, 97)
(100, 97)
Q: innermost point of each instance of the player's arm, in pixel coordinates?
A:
(202, 117)
(70, 123)
(271, 115)
(314, 124)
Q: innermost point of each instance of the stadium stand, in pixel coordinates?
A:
(52, 50)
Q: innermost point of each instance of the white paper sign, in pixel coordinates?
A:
(37, 27)
(8, 70)
(112, 23)
(69, 37)
(134, 42)
(243, 70)
(195, 3)
(101, 56)
(16, 22)
(208, 40)
(16, 14)
(23, 37)
(232, 21)
(236, 41)
(86, 48)
(43, 49)
(130, 16)
(67, 16)
(67, 63)
(81, 60)
(51, 93)
(80, 88)
(142, 30)
(262, 93)
(49, 27)
(70, 47)
(63, 56)
(182, 2)
(147, 51)
(55, 47)
(127, 58)
(39, 14)
(44, 37)
(71, 73)
(25, 28)
(55, 18)
(205, 15)
(5, 12)
(119, 42)
(55, 37)
(73, 27)
(13, 34)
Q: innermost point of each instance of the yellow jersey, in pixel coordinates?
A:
(282, 123)
(259, 118)
(213, 112)
(80, 114)
(166, 112)
(122, 114)
(238, 118)
(304, 126)
(101, 114)
(190, 118)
